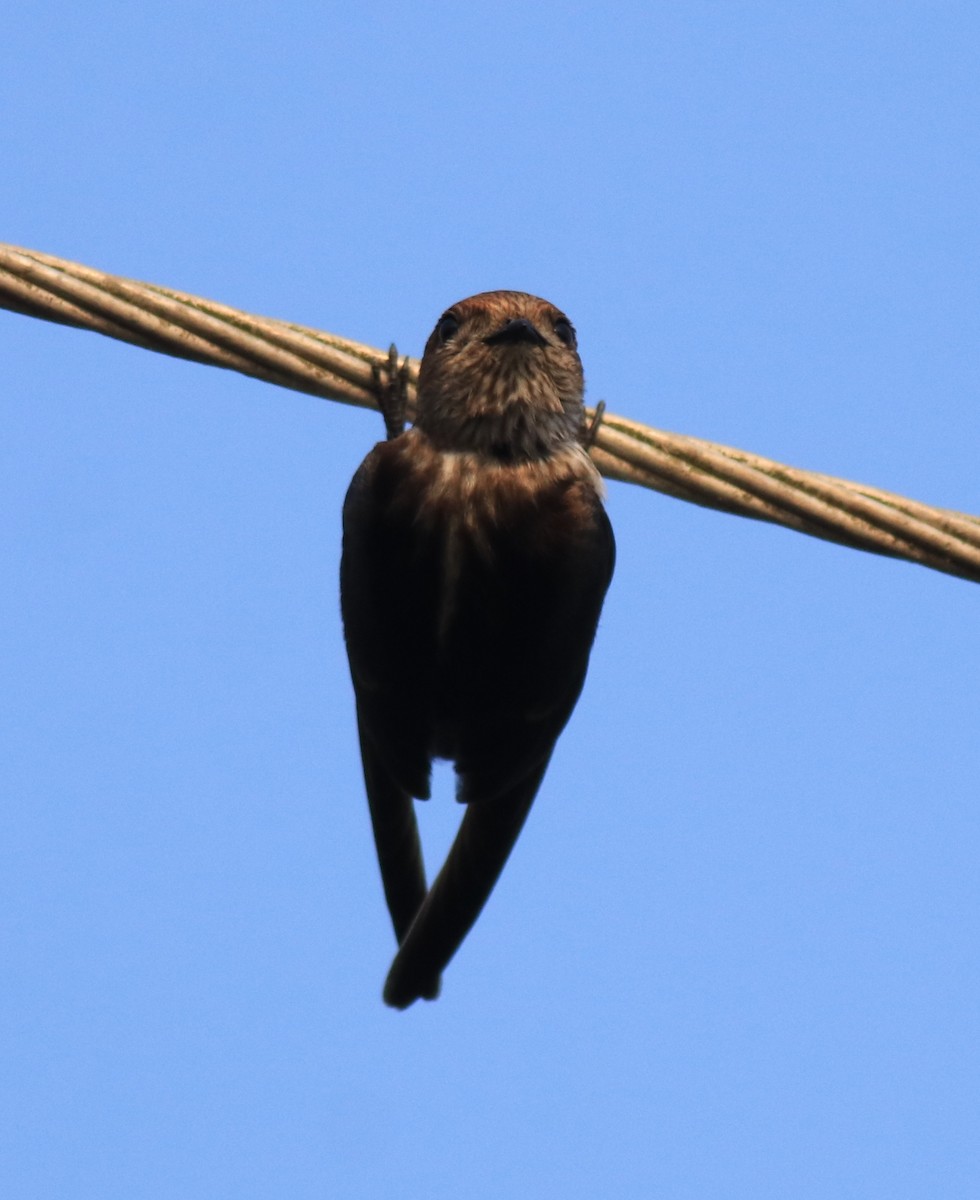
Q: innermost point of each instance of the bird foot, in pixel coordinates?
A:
(590, 435)
(391, 389)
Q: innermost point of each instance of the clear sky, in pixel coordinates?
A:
(737, 950)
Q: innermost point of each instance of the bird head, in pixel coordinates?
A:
(501, 374)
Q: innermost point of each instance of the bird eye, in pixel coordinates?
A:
(447, 328)
(564, 331)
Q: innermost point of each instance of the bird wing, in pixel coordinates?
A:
(389, 670)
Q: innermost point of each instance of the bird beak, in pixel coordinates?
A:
(519, 329)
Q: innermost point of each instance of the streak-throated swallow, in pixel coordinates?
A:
(475, 561)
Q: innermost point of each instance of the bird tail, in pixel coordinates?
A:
(396, 837)
(482, 846)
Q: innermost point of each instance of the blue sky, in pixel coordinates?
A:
(736, 950)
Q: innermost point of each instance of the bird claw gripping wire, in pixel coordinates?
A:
(391, 389)
(590, 435)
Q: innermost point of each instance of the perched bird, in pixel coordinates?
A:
(476, 557)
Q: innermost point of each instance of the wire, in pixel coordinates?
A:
(324, 364)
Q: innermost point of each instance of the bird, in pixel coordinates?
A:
(476, 557)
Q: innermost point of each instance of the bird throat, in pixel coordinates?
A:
(516, 432)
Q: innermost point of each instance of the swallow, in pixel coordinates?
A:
(476, 557)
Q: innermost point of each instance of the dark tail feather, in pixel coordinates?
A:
(485, 839)
(396, 838)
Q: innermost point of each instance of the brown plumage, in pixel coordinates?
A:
(476, 557)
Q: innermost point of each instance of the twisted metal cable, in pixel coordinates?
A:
(323, 364)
